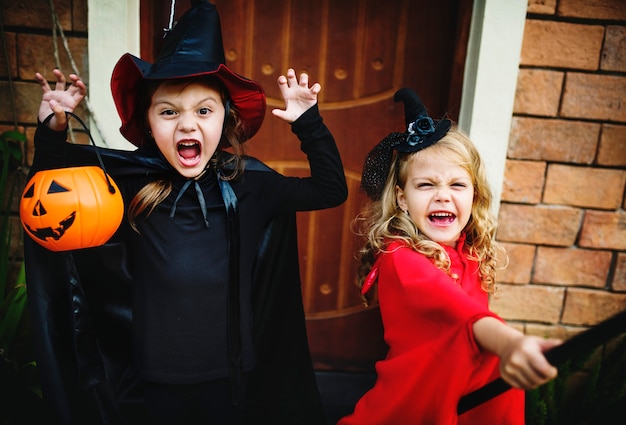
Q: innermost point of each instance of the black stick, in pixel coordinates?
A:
(579, 343)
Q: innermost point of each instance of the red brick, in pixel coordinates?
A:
(516, 325)
(11, 53)
(528, 302)
(591, 96)
(551, 331)
(79, 15)
(520, 264)
(538, 92)
(36, 54)
(538, 224)
(614, 50)
(27, 99)
(612, 149)
(619, 277)
(592, 9)
(30, 147)
(561, 45)
(553, 140)
(523, 181)
(36, 13)
(544, 7)
(572, 266)
(584, 186)
(587, 307)
(604, 230)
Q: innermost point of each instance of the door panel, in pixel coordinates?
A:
(361, 52)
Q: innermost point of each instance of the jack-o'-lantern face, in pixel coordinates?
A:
(71, 208)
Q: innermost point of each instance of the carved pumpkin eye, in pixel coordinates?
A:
(70, 208)
(39, 209)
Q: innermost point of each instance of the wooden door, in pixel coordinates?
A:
(361, 52)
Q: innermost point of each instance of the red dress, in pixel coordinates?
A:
(433, 358)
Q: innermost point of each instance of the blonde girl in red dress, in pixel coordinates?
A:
(430, 253)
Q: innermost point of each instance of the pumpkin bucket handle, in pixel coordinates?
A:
(77, 118)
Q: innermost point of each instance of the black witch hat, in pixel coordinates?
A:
(193, 48)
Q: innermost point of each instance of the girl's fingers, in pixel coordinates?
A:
(42, 82)
(60, 85)
(291, 77)
(304, 80)
(59, 121)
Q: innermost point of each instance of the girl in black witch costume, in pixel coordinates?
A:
(195, 223)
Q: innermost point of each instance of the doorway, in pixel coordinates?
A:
(361, 52)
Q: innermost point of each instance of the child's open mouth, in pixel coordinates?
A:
(189, 152)
(441, 218)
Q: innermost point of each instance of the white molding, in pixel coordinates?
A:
(490, 80)
(113, 30)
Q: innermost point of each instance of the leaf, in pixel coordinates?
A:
(11, 313)
(12, 141)
(14, 135)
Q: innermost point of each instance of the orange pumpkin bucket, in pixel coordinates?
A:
(71, 208)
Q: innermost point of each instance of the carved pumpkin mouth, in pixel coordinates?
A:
(56, 233)
(43, 233)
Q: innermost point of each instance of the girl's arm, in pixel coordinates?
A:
(522, 363)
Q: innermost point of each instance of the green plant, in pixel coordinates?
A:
(10, 153)
(589, 390)
(12, 300)
(19, 387)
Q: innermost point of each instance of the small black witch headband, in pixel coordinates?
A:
(422, 132)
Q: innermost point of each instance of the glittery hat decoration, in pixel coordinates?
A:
(422, 132)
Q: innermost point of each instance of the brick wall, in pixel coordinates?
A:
(562, 215)
(28, 47)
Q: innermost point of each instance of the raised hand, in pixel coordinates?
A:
(60, 99)
(298, 95)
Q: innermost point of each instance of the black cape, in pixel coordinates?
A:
(80, 306)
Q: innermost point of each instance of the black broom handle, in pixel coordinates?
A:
(585, 340)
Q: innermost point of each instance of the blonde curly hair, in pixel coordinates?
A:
(383, 221)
